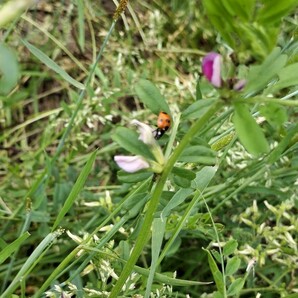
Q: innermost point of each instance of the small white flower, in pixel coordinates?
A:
(146, 135)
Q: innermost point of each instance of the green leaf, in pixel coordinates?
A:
(9, 69)
(230, 247)
(31, 262)
(220, 18)
(151, 97)
(259, 76)
(185, 173)
(52, 65)
(240, 9)
(134, 204)
(124, 250)
(203, 178)
(81, 24)
(78, 186)
(216, 255)
(183, 177)
(235, 287)
(133, 177)
(197, 109)
(158, 230)
(174, 247)
(198, 91)
(176, 200)
(129, 140)
(281, 147)
(233, 265)
(8, 250)
(181, 182)
(274, 10)
(218, 295)
(198, 154)
(287, 77)
(217, 275)
(275, 114)
(250, 134)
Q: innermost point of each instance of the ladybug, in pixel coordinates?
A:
(163, 124)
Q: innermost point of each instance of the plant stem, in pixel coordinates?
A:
(153, 203)
(220, 250)
(262, 99)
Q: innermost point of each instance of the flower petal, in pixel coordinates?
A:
(131, 164)
(211, 66)
(146, 135)
(239, 85)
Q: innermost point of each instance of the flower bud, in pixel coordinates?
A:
(211, 66)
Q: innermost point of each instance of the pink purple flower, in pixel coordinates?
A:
(131, 164)
(211, 66)
(239, 85)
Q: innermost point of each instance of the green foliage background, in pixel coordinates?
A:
(69, 218)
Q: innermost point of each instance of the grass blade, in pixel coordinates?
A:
(29, 264)
(52, 65)
(75, 190)
(9, 249)
(158, 230)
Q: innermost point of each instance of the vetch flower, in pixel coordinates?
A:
(131, 164)
(146, 136)
(211, 66)
(239, 85)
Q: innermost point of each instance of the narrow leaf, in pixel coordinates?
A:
(197, 109)
(81, 24)
(217, 275)
(151, 97)
(230, 247)
(287, 77)
(185, 173)
(232, 266)
(250, 134)
(275, 114)
(30, 262)
(158, 230)
(9, 249)
(129, 140)
(277, 152)
(52, 65)
(260, 75)
(203, 178)
(195, 154)
(133, 177)
(9, 69)
(176, 200)
(75, 190)
(235, 287)
(198, 91)
(272, 12)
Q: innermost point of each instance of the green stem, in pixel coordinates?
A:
(262, 99)
(153, 203)
(219, 248)
(82, 95)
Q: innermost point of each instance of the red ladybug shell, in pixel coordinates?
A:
(163, 124)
